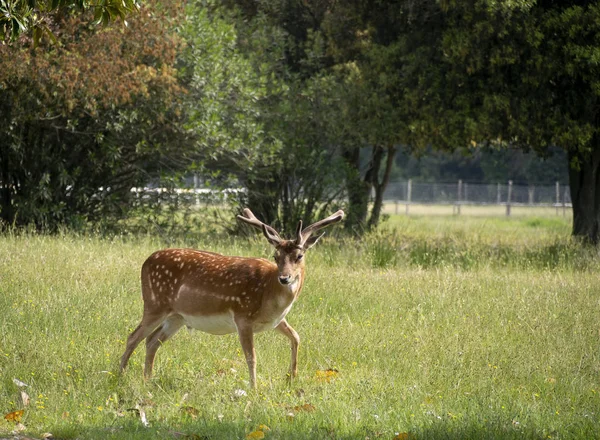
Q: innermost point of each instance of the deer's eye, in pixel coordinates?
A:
(299, 257)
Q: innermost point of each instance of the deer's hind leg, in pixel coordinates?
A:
(167, 329)
(147, 326)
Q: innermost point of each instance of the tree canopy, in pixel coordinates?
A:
(305, 104)
(84, 121)
(36, 18)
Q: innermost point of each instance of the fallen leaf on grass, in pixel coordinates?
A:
(307, 407)
(20, 384)
(14, 416)
(190, 411)
(292, 410)
(142, 415)
(24, 398)
(326, 375)
(259, 433)
(239, 393)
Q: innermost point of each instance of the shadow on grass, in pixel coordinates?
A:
(201, 429)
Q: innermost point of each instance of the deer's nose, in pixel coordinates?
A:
(284, 279)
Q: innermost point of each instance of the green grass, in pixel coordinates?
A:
(498, 348)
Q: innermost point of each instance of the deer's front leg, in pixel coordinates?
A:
(287, 330)
(246, 336)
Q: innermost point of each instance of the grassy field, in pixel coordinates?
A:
(478, 210)
(438, 327)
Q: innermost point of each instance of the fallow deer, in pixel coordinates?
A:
(219, 294)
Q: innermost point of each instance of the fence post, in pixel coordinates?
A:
(564, 203)
(196, 194)
(396, 202)
(459, 196)
(498, 195)
(408, 194)
(508, 198)
(557, 196)
(531, 191)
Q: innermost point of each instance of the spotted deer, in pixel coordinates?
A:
(220, 294)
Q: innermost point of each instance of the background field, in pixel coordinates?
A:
(477, 210)
(439, 327)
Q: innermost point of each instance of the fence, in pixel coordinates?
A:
(402, 195)
(461, 193)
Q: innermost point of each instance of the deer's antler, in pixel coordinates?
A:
(302, 235)
(249, 218)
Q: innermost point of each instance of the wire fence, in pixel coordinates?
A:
(461, 193)
(400, 196)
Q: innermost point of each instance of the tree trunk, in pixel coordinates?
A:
(380, 186)
(7, 215)
(358, 193)
(585, 194)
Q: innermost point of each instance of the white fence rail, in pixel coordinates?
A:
(406, 193)
(463, 193)
(189, 195)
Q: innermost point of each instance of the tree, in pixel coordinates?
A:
(485, 73)
(37, 17)
(335, 43)
(256, 121)
(521, 74)
(84, 121)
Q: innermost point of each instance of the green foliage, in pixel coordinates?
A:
(287, 100)
(255, 121)
(87, 120)
(499, 74)
(384, 247)
(36, 18)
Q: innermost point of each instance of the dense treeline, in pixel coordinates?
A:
(304, 103)
(485, 165)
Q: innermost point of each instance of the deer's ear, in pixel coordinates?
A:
(312, 241)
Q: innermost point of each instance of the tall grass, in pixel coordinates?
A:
(441, 335)
(467, 243)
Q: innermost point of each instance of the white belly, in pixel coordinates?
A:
(214, 324)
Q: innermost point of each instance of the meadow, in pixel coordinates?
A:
(434, 327)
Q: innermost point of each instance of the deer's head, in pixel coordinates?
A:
(289, 254)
